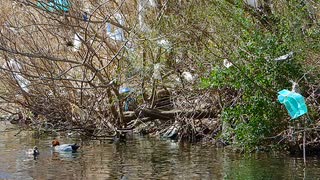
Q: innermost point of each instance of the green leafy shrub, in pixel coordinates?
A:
(258, 77)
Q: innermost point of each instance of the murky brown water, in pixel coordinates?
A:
(141, 158)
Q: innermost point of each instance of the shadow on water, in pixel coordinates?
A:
(141, 158)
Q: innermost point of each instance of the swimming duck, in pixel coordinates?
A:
(34, 151)
(64, 147)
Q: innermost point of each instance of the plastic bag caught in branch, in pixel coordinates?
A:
(117, 34)
(157, 71)
(164, 44)
(142, 7)
(16, 67)
(76, 42)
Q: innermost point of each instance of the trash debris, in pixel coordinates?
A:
(125, 90)
(253, 3)
(152, 3)
(112, 82)
(284, 57)
(60, 5)
(85, 16)
(157, 71)
(49, 6)
(16, 67)
(171, 132)
(294, 103)
(76, 42)
(295, 87)
(142, 7)
(164, 44)
(15, 30)
(117, 34)
(227, 63)
(130, 102)
(187, 76)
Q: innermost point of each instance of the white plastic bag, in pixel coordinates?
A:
(157, 71)
(117, 34)
(76, 42)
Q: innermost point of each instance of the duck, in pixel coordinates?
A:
(64, 147)
(35, 151)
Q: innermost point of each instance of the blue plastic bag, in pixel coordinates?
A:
(294, 103)
(60, 5)
(47, 6)
(125, 90)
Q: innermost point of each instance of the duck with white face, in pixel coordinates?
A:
(64, 147)
(33, 152)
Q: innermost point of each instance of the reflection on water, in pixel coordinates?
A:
(141, 158)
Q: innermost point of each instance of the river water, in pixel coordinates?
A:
(141, 158)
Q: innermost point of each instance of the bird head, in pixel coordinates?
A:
(55, 143)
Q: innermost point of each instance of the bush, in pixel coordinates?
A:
(257, 77)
